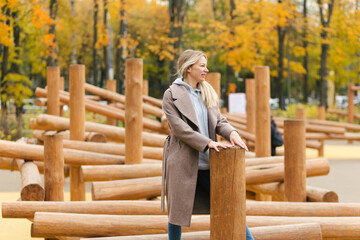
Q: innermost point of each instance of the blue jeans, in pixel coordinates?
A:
(203, 179)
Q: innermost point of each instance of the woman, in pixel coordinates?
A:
(191, 108)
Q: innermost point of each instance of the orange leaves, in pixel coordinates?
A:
(5, 32)
(40, 16)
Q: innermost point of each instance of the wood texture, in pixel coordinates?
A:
(250, 105)
(112, 133)
(53, 86)
(133, 110)
(228, 194)
(54, 167)
(305, 231)
(295, 161)
(111, 86)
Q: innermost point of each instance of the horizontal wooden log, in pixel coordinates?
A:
(355, 88)
(27, 209)
(153, 101)
(112, 133)
(131, 189)
(235, 118)
(118, 172)
(73, 157)
(113, 96)
(347, 126)
(105, 110)
(276, 190)
(314, 127)
(10, 164)
(313, 144)
(338, 112)
(89, 136)
(89, 225)
(275, 172)
(125, 207)
(263, 160)
(308, 231)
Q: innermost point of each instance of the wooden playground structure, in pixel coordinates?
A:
(123, 164)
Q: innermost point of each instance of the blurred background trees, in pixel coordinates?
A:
(306, 43)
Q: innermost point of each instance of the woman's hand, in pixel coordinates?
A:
(215, 145)
(235, 139)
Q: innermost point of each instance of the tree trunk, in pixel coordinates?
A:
(52, 58)
(94, 54)
(306, 57)
(279, 86)
(121, 50)
(105, 48)
(73, 36)
(4, 71)
(177, 10)
(324, 50)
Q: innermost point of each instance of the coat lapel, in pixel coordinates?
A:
(183, 102)
(212, 121)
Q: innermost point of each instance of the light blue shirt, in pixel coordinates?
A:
(202, 119)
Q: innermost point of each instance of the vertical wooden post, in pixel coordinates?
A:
(228, 194)
(77, 125)
(146, 87)
(61, 88)
(350, 94)
(111, 86)
(53, 82)
(215, 79)
(53, 167)
(321, 112)
(295, 162)
(250, 105)
(263, 118)
(300, 114)
(133, 110)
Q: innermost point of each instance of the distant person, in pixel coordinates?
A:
(191, 108)
(276, 138)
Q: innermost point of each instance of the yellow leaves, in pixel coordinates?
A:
(231, 88)
(5, 32)
(49, 39)
(17, 87)
(40, 17)
(298, 51)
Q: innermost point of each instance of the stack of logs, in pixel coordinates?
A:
(124, 167)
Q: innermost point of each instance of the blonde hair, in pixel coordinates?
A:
(187, 59)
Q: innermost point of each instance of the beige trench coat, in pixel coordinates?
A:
(181, 154)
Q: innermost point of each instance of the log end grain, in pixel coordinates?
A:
(32, 192)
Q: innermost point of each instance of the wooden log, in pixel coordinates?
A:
(61, 88)
(153, 101)
(331, 227)
(105, 110)
(77, 125)
(145, 87)
(295, 161)
(214, 78)
(89, 136)
(88, 225)
(112, 148)
(111, 86)
(250, 105)
(54, 167)
(131, 189)
(112, 133)
(236, 118)
(276, 189)
(316, 128)
(338, 112)
(119, 172)
(347, 126)
(72, 157)
(31, 184)
(148, 109)
(228, 221)
(321, 112)
(264, 160)
(315, 194)
(300, 114)
(355, 88)
(133, 110)
(53, 86)
(27, 209)
(304, 231)
(262, 92)
(350, 94)
(275, 172)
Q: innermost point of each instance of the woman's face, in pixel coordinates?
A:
(198, 70)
